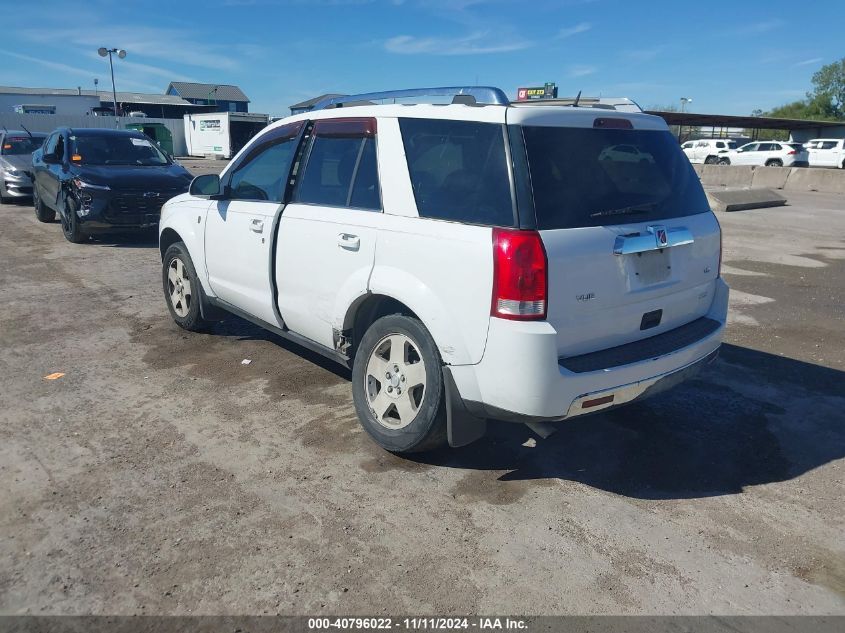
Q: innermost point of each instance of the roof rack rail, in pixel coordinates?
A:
(486, 95)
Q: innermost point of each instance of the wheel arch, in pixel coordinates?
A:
(372, 306)
(182, 223)
(166, 239)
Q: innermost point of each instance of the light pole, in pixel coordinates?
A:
(684, 102)
(103, 51)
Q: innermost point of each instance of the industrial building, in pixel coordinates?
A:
(79, 102)
(224, 97)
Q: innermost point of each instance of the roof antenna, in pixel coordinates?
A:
(25, 130)
(577, 99)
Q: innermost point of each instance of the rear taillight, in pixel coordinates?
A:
(793, 152)
(719, 269)
(520, 279)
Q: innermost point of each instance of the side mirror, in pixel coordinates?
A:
(207, 186)
(49, 159)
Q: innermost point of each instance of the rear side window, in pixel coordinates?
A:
(342, 170)
(580, 178)
(458, 170)
(828, 144)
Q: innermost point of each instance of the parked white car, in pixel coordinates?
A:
(468, 261)
(826, 152)
(769, 154)
(707, 150)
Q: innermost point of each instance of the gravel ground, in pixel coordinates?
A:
(160, 475)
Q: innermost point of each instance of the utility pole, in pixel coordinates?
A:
(103, 52)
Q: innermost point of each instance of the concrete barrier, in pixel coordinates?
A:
(740, 199)
(826, 180)
(770, 177)
(786, 178)
(726, 176)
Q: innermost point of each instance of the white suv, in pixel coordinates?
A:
(707, 150)
(826, 152)
(471, 260)
(768, 154)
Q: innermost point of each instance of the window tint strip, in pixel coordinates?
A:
(345, 128)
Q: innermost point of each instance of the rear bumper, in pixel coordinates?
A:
(521, 379)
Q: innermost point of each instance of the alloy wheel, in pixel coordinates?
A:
(179, 287)
(395, 381)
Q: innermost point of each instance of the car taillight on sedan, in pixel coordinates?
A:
(520, 275)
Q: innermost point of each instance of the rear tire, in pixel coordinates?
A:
(71, 228)
(711, 160)
(775, 162)
(182, 288)
(724, 161)
(397, 386)
(42, 213)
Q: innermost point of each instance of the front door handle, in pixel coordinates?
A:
(348, 241)
(257, 226)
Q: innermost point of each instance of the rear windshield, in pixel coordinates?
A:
(597, 177)
(115, 149)
(796, 146)
(20, 145)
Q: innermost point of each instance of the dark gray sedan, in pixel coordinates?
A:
(16, 163)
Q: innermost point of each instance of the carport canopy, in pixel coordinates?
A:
(690, 119)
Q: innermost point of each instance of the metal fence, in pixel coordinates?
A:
(49, 122)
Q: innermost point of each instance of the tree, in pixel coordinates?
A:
(829, 88)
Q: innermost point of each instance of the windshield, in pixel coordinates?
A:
(596, 177)
(115, 150)
(20, 145)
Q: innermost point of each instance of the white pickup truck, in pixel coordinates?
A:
(469, 261)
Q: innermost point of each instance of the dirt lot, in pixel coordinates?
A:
(161, 475)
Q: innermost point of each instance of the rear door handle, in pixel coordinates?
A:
(257, 226)
(348, 241)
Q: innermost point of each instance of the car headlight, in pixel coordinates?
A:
(89, 185)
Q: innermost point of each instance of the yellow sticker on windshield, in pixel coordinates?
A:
(76, 158)
(7, 146)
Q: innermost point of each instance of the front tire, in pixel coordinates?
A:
(71, 228)
(182, 288)
(42, 212)
(711, 160)
(397, 386)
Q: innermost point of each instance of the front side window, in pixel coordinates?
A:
(262, 174)
(828, 144)
(342, 170)
(50, 144)
(458, 170)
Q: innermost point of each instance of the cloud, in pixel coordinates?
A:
(643, 54)
(759, 27)
(580, 71)
(479, 43)
(65, 68)
(574, 30)
(157, 43)
(808, 62)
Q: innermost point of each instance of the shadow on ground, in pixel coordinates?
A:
(701, 439)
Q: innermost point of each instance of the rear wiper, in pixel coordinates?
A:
(635, 209)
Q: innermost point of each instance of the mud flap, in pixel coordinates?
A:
(462, 427)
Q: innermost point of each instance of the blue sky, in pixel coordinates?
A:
(728, 57)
